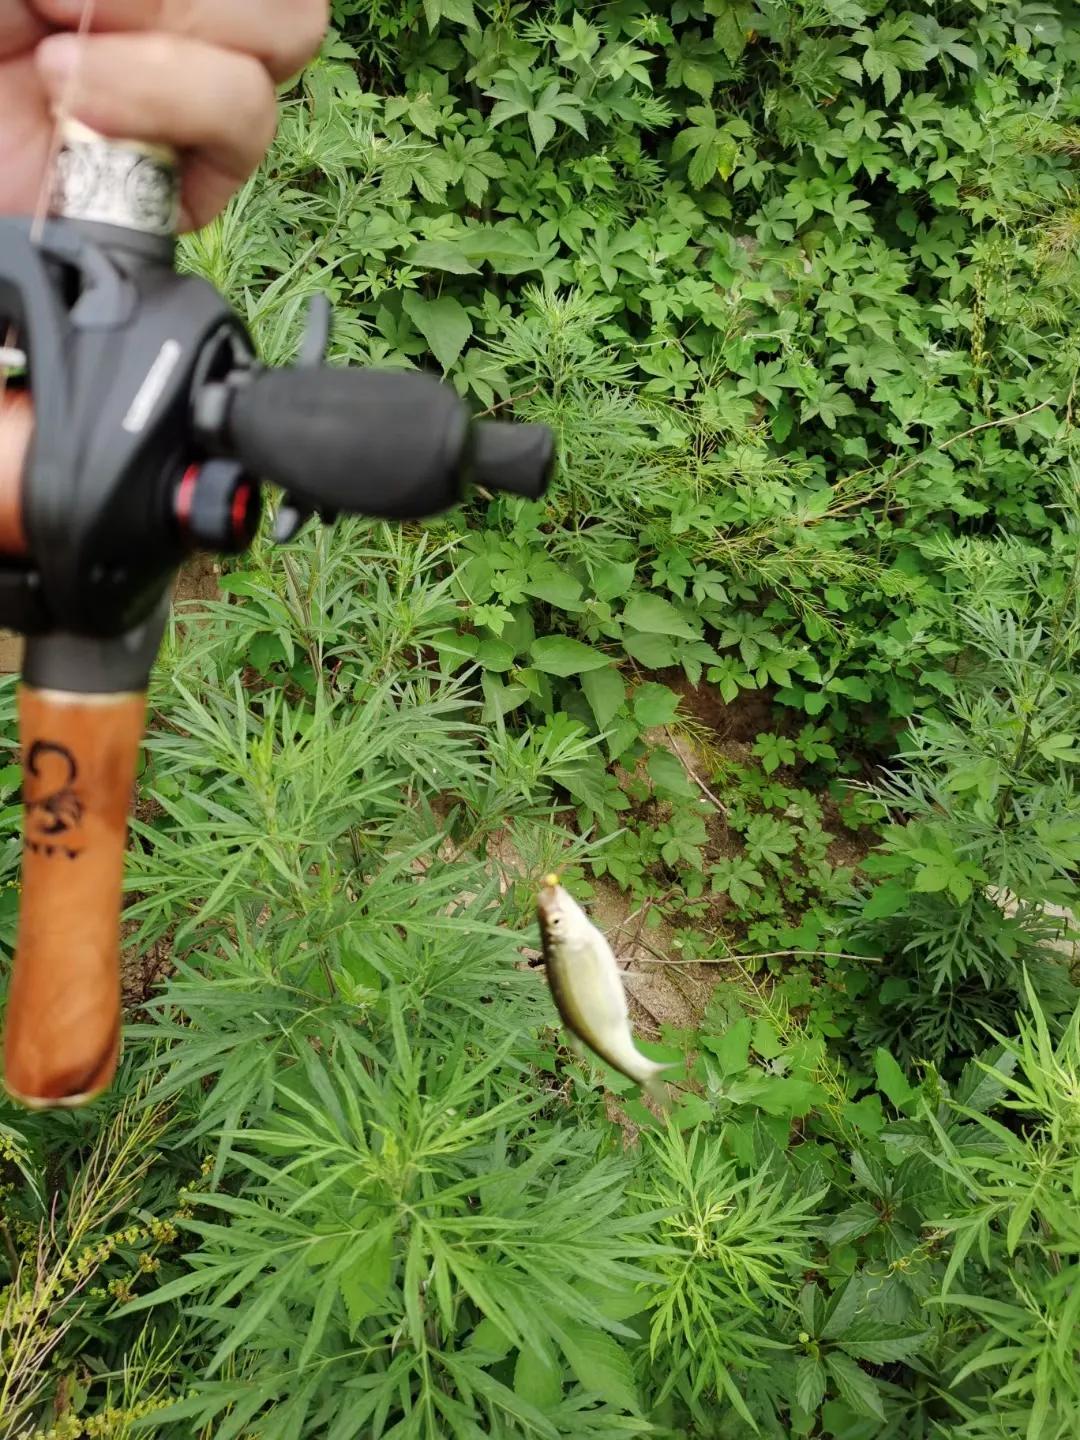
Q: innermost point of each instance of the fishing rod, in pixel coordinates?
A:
(155, 430)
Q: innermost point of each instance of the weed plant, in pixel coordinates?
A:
(787, 658)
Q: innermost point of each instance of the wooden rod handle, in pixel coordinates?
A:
(62, 1033)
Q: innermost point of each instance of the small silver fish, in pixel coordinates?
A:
(588, 989)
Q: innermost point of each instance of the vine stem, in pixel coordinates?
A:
(998, 424)
(765, 955)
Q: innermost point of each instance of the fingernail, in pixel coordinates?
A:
(58, 58)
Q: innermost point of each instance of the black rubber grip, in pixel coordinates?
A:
(517, 458)
(388, 444)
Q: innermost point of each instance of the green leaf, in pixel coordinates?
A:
(441, 255)
(767, 1041)
(932, 878)
(732, 1049)
(605, 691)
(657, 616)
(853, 685)
(653, 651)
(500, 698)
(1020, 1218)
(883, 1348)
(495, 654)
(891, 1080)
(855, 1386)
(654, 705)
(851, 1224)
(450, 642)
(491, 1339)
(543, 112)
(561, 655)
(443, 323)
(459, 10)
(555, 586)
(600, 1365)
(669, 775)
(890, 898)
(612, 580)
(1060, 747)
(730, 28)
(538, 1376)
(809, 1383)
(364, 1284)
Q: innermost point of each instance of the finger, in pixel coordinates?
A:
(218, 107)
(283, 34)
(19, 29)
(16, 430)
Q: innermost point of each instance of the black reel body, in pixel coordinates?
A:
(154, 429)
(113, 339)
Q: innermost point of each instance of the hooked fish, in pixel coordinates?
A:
(588, 989)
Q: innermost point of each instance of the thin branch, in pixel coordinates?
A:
(511, 400)
(998, 424)
(740, 960)
(692, 773)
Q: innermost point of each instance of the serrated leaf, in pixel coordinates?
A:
(538, 1376)
(1020, 1218)
(851, 1224)
(600, 1365)
(854, 1385)
(841, 1310)
(981, 1086)
(809, 1383)
(561, 655)
(933, 878)
(767, 1040)
(885, 1349)
(450, 642)
(732, 1049)
(459, 10)
(1060, 747)
(491, 1339)
(364, 1284)
(500, 699)
(729, 29)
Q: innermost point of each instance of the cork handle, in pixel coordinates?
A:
(62, 1033)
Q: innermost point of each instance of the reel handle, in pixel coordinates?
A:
(395, 445)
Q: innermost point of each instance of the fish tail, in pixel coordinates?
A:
(655, 1086)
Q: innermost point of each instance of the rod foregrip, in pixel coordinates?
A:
(62, 1032)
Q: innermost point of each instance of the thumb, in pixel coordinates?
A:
(16, 430)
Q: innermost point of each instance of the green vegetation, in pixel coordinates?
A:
(783, 674)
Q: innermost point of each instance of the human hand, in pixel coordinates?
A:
(198, 75)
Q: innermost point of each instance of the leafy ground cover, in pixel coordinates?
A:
(783, 674)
